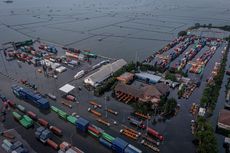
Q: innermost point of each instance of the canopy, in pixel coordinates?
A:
(66, 88)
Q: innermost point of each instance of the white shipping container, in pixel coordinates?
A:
(79, 74)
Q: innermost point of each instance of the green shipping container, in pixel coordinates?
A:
(62, 114)
(25, 123)
(16, 115)
(55, 109)
(27, 118)
(72, 119)
(107, 137)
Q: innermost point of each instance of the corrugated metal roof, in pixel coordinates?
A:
(104, 72)
(152, 77)
(224, 117)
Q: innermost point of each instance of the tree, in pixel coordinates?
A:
(197, 25)
(182, 33)
(170, 106)
(209, 25)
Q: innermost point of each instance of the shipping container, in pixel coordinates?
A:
(131, 149)
(93, 131)
(55, 109)
(8, 143)
(72, 119)
(25, 123)
(32, 115)
(105, 143)
(43, 122)
(154, 133)
(52, 144)
(107, 137)
(16, 145)
(17, 116)
(6, 148)
(62, 114)
(21, 108)
(119, 145)
(82, 124)
(56, 130)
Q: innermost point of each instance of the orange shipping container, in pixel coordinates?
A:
(52, 144)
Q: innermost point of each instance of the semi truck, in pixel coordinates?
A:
(31, 96)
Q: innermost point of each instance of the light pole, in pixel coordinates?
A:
(106, 113)
(3, 48)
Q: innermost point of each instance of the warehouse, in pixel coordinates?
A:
(224, 119)
(104, 72)
(149, 78)
(147, 93)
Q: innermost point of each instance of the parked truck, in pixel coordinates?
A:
(31, 96)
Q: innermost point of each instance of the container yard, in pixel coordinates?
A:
(69, 99)
(109, 76)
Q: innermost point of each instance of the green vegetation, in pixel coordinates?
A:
(182, 33)
(110, 83)
(181, 91)
(198, 25)
(142, 107)
(147, 67)
(170, 76)
(169, 106)
(166, 107)
(205, 136)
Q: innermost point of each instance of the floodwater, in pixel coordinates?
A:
(129, 29)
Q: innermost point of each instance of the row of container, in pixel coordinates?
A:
(13, 147)
(189, 55)
(201, 61)
(28, 95)
(116, 144)
(166, 48)
(165, 61)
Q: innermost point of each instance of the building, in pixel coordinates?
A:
(147, 93)
(126, 77)
(224, 119)
(104, 72)
(147, 77)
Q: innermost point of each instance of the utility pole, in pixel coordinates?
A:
(3, 60)
(106, 113)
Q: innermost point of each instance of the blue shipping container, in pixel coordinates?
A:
(119, 145)
(82, 124)
(131, 149)
(105, 143)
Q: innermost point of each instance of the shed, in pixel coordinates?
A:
(66, 88)
(104, 72)
(224, 119)
(148, 77)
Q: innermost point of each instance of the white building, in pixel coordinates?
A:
(104, 72)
